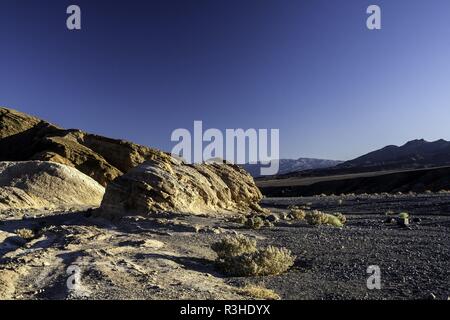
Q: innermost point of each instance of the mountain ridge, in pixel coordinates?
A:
(413, 154)
(293, 165)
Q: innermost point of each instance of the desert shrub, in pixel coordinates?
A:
(263, 262)
(350, 195)
(234, 246)
(341, 217)
(403, 215)
(239, 257)
(254, 223)
(241, 220)
(316, 217)
(272, 260)
(298, 214)
(259, 292)
(26, 234)
(334, 221)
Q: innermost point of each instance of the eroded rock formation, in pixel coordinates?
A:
(168, 184)
(46, 185)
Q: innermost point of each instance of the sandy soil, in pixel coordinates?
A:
(169, 257)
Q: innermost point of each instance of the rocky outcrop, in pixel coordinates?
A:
(170, 185)
(46, 185)
(154, 181)
(24, 137)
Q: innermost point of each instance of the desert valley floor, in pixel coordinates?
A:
(169, 256)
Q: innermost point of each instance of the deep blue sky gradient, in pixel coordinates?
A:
(140, 69)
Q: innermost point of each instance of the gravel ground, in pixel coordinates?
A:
(332, 263)
(170, 257)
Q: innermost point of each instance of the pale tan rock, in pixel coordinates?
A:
(39, 185)
(170, 185)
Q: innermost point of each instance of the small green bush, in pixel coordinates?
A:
(403, 215)
(317, 218)
(254, 223)
(341, 217)
(334, 221)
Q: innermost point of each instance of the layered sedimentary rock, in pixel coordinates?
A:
(159, 183)
(39, 185)
(24, 137)
(168, 184)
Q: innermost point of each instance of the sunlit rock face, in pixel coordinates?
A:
(46, 185)
(170, 185)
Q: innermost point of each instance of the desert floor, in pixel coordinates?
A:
(169, 257)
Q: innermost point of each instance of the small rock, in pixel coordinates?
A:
(389, 220)
(403, 222)
(273, 218)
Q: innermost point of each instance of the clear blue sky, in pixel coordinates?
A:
(140, 69)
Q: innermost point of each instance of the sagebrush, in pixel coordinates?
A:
(238, 256)
(317, 217)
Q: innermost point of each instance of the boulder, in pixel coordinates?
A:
(170, 185)
(46, 185)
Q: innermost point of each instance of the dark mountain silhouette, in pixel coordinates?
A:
(417, 166)
(413, 154)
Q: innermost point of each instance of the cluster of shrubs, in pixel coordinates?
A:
(316, 217)
(255, 222)
(239, 256)
(312, 217)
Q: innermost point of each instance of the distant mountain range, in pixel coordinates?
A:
(413, 154)
(417, 166)
(293, 165)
